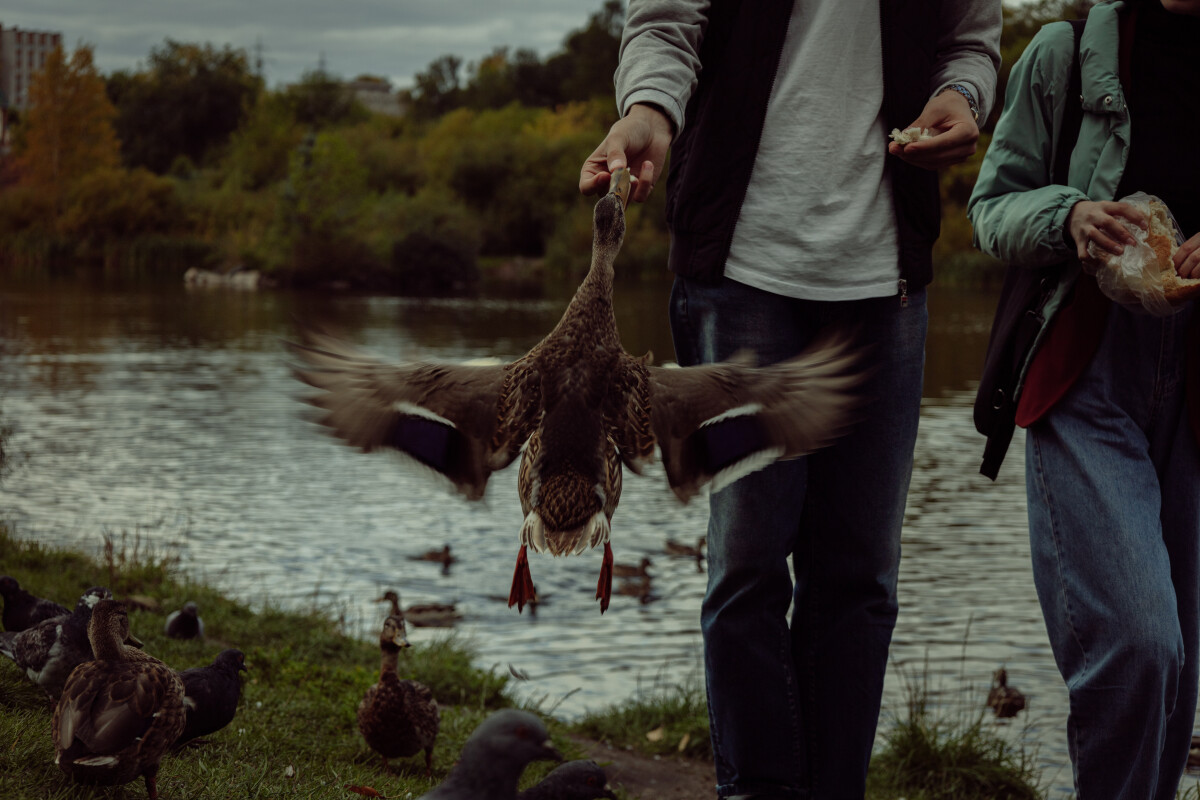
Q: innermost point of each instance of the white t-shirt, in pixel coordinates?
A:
(818, 221)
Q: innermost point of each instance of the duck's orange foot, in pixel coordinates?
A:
(604, 585)
(522, 586)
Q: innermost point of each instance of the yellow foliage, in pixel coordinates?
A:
(68, 127)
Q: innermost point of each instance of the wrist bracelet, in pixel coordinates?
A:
(965, 92)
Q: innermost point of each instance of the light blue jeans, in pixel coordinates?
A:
(1113, 480)
(793, 709)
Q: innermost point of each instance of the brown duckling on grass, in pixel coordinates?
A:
(398, 718)
(118, 714)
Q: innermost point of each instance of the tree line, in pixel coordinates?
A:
(192, 161)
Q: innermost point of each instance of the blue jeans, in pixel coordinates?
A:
(793, 709)
(1113, 480)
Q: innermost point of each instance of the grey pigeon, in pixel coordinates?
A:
(494, 757)
(52, 648)
(185, 623)
(574, 780)
(211, 694)
(23, 610)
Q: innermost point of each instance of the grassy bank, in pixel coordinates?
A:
(295, 733)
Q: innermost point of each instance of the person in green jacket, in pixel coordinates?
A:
(1112, 462)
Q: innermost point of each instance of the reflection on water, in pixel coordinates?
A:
(174, 414)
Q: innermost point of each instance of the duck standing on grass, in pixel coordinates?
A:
(574, 780)
(211, 694)
(578, 407)
(118, 714)
(52, 648)
(398, 718)
(23, 610)
(494, 757)
(185, 623)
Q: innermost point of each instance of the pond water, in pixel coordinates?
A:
(173, 415)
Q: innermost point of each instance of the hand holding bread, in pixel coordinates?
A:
(1135, 265)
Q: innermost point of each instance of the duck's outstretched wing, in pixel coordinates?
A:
(463, 421)
(718, 422)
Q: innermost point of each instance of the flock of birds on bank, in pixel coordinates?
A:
(119, 710)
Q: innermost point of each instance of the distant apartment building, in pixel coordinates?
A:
(377, 96)
(22, 53)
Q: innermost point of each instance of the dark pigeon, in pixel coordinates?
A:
(574, 780)
(23, 610)
(211, 694)
(494, 757)
(52, 648)
(185, 623)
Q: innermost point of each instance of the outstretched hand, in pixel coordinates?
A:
(948, 116)
(639, 141)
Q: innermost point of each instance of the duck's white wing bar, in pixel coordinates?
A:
(729, 419)
(446, 417)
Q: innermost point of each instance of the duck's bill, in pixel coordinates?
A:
(620, 184)
(133, 641)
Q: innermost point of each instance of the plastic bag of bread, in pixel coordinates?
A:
(1143, 276)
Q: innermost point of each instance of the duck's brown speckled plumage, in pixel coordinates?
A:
(120, 713)
(398, 718)
(582, 409)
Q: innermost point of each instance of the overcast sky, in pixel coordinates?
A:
(391, 38)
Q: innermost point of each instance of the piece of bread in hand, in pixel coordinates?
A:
(1161, 239)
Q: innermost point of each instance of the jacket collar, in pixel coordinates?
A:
(1098, 58)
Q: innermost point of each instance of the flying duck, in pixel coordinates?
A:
(578, 408)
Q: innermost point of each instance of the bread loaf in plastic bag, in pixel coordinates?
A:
(1138, 278)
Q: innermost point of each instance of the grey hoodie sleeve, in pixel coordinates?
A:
(660, 55)
(660, 48)
(969, 49)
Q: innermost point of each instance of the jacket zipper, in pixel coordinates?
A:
(903, 293)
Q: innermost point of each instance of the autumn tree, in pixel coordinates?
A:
(68, 128)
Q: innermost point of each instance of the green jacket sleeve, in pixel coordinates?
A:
(1017, 214)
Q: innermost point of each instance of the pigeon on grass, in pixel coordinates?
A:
(23, 610)
(494, 757)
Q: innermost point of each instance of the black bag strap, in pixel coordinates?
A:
(1019, 318)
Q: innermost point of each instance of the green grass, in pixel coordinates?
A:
(926, 756)
(672, 721)
(295, 733)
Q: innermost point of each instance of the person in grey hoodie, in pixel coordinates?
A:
(790, 213)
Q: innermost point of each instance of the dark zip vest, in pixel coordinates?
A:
(712, 159)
